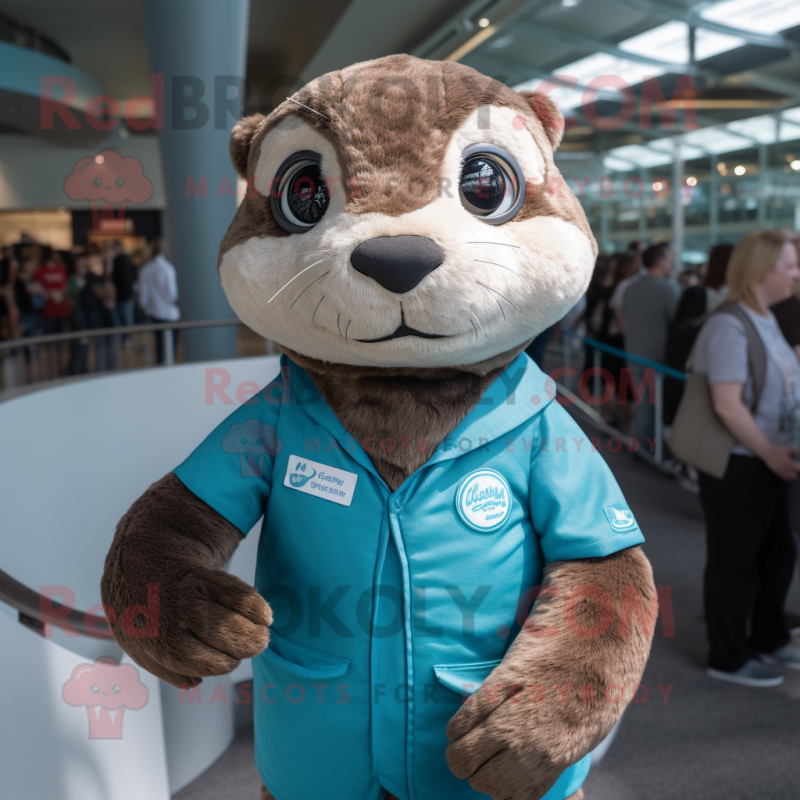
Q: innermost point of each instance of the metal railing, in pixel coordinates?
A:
(33, 359)
(30, 604)
(661, 371)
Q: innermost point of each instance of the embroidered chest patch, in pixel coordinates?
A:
(483, 500)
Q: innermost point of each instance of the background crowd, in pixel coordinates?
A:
(46, 291)
(733, 321)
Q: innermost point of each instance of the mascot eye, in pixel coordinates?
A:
(116, 688)
(299, 197)
(97, 182)
(119, 183)
(491, 185)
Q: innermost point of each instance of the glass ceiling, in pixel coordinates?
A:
(728, 138)
(669, 43)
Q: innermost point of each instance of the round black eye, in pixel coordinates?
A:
(97, 182)
(116, 688)
(94, 689)
(119, 183)
(491, 185)
(299, 197)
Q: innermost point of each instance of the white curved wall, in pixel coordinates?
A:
(73, 459)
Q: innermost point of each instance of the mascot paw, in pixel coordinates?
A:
(500, 746)
(208, 621)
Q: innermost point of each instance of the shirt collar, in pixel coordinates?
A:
(520, 392)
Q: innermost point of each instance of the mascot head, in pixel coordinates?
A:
(404, 212)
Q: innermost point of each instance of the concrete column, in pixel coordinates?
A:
(199, 46)
(678, 190)
(646, 187)
(763, 184)
(713, 202)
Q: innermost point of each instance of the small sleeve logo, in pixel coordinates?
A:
(620, 519)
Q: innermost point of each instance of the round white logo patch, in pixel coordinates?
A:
(483, 500)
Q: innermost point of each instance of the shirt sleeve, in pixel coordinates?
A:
(722, 350)
(577, 507)
(232, 469)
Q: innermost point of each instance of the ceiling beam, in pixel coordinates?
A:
(539, 31)
(670, 13)
(493, 65)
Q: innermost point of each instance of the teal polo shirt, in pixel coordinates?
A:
(391, 607)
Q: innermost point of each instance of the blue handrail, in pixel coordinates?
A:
(645, 362)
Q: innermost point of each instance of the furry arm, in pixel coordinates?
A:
(167, 556)
(565, 680)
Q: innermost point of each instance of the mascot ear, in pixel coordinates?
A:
(549, 115)
(241, 139)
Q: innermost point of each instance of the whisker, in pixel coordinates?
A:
(498, 293)
(337, 323)
(296, 277)
(475, 329)
(308, 287)
(495, 264)
(347, 329)
(503, 244)
(502, 311)
(306, 253)
(315, 310)
(306, 107)
(479, 323)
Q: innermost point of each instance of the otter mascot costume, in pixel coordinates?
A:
(446, 568)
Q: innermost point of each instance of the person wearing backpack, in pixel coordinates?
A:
(754, 381)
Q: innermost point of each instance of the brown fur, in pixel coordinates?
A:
(515, 735)
(401, 415)
(208, 620)
(390, 122)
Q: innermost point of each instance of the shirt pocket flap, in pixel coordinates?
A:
(464, 678)
(302, 661)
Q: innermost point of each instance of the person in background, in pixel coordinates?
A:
(626, 270)
(158, 294)
(99, 303)
(715, 272)
(8, 271)
(750, 549)
(648, 306)
(787, 313)
(76, 296)
(630, 265)
(689, 277)
(682, 331)
(29, 299)
(637, 248)
(52, 277)
(123, 274)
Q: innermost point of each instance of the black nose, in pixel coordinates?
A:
(398, 263)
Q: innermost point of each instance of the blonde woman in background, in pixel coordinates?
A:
(750, 550)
